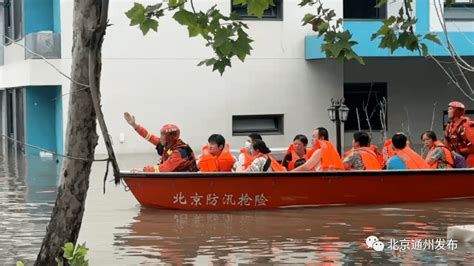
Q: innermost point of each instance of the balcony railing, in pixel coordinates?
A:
(47, 44)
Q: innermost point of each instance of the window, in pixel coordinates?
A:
(13, 19)
(460, 10)
(263, 124)
(359, 95)
(274, 12)
(364, 9)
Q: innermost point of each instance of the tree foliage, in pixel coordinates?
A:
(227, 35)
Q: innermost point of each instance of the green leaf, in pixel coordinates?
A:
(148, 24)
(194, 30)
(433, 38)
(242, 45)
(380, 3)
(136, 14)
(412, 42)
(336, 48)
(255, 7)
(221, 37)
(323, 27)
(308, 18)
(185, 17)
(175, 3)
(234, 16)
(153, 8)
(221, 65)
(226, 48)
(20, 263)
(424, 48)
(68, 251)
(352, 55)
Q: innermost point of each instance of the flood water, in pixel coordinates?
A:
(119, 232)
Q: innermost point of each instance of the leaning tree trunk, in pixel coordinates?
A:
(81, 136)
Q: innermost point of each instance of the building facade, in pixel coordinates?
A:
(283, 89)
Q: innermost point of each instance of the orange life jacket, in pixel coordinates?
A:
(459, 136)
(411, 159)
(330, 159)
(449, 157)
(388, 151)
(276, 167)
(248, 158)
(369, 158)
(221, 163)
(295, 157)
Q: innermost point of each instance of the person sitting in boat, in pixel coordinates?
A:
(435, 152)
(459, 132)
(296, 154)
(361, 157)
(405, 157)
(324, 157)
(176, 156)
(263, 161)
(245, 156)
(216, 156)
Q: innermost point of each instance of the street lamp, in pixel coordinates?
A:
(338, 113)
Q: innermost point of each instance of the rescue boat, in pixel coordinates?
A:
(245, 191)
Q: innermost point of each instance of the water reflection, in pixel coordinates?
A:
(27, 193)
(119, 232)
(334, 235)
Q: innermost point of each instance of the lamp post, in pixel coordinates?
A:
(338, 113)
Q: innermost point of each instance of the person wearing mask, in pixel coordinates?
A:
(245, 158)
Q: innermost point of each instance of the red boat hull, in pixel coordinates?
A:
(241, 191)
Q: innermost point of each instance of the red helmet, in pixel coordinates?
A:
(457, 105)
(459, 108)
(171, 133)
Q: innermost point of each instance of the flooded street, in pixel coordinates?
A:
(118, 231)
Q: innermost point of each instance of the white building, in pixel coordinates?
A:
(286, 83)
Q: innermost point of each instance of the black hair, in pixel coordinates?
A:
(254, 136)
(430, 134)
(259, 145)
(399, 141)
(323, 132)
(362, 138)
(217, 139)
(301, 138)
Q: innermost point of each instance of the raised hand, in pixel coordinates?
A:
(130, 119)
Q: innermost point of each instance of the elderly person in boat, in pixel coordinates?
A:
(435, 153)
(262, 160)
(361, 156)
(324, 156)
(405, 157)
(176, 156)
